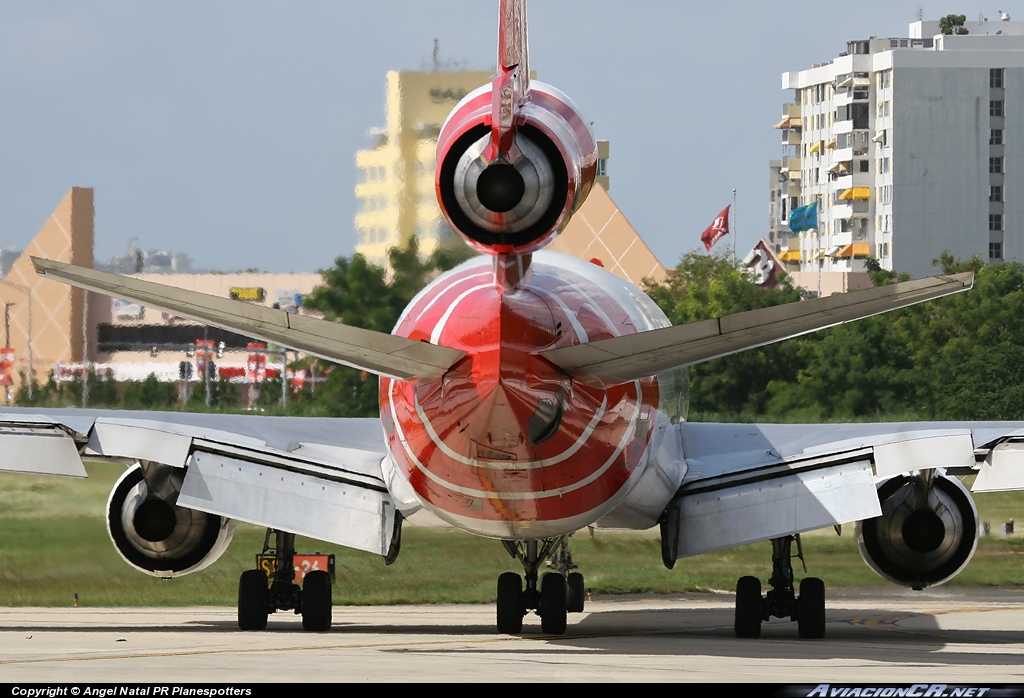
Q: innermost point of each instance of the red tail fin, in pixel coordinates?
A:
(512, 81)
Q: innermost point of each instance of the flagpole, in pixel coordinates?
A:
(733, 229)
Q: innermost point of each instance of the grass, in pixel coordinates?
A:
(55, 545)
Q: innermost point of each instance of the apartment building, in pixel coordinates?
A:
(910, 147)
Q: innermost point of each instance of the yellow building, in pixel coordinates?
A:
(395, 193)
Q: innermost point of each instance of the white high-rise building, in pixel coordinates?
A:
(911, 147)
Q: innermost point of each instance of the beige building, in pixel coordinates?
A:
(395, 193)
(43, 319)
(47, 323)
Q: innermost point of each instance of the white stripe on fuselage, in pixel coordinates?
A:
(484, 494)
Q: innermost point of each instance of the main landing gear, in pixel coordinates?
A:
(260, 594)
(781, 601)
(560, 592)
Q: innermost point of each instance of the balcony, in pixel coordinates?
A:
(852, 209)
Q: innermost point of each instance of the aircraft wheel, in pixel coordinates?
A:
(510, 603)
(577, 593)
(810, 619)
(252, 600)
(552, 603)
(748, 607)
(316, 601)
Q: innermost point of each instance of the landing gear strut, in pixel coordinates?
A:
(558, 593)
(781, 601)
(260, 595)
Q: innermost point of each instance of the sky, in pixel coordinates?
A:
(228, 130)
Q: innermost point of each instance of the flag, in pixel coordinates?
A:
(716, 230)
(804, 218)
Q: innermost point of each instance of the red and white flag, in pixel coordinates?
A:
(716, 230)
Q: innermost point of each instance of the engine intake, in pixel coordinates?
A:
(927, 532)
(520, 203)
(155, 535)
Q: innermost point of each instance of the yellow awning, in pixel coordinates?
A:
(789, 122)
(857, 249)
(855, 193)
(862, 82)
(816, 148)
(840, 167)
(790, 256)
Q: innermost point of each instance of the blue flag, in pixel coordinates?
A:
(804, 218)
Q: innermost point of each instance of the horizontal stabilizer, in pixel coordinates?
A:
(377, 352)
(626, 358)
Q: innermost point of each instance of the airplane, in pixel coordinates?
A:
(524, 395)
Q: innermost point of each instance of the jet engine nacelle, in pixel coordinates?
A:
(927, 532)
(514, 205)
(155, 535)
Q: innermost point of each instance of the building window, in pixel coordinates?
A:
(995, 165)
(995, 77)
(995, 136)
(995, 250)
(864, 166)
(995, 193)
(995, 107)
(995, 221)
(883, 166)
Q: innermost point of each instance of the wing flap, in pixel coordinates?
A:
(377, 352)
(40, 449)
(333, 510)
(755, 511)
(629, 357)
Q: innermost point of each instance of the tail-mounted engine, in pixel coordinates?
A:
(518, 202)
(926, 534)
(156, 536)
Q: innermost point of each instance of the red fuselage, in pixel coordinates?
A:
(505, 444)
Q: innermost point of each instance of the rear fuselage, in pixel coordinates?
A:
(505, 444)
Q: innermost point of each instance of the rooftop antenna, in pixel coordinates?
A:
(920, 13)
(433, 55)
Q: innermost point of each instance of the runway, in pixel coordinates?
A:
(955, 636)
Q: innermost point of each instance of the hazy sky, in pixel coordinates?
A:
(228, 130)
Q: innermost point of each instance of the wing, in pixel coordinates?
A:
(316, 477)
(377, 352)
(752, 482)
(629, 357)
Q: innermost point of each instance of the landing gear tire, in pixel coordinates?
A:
(510, 604)
(748, 607)
(810, 620)
(553, 594)
(316, 601)
(576, 593)
(252, 600)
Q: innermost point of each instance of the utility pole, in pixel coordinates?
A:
(206, 363)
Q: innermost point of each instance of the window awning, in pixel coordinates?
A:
(790, 256)
(815, 147)
(831, 143)
(857, 249)
(840, 167)
(862, 82)
(789, 122)
(855, 194)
